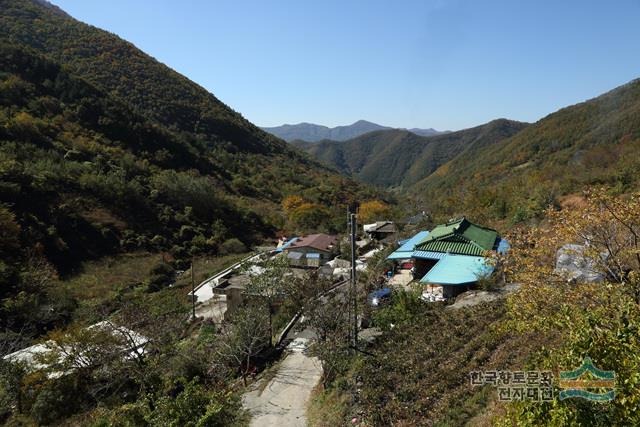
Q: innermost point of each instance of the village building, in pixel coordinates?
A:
(314, 250)
(452, 257)
(380, 230)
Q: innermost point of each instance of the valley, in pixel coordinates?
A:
(165, 261)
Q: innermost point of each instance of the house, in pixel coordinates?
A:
(405, 252)
(313, 250)
(453, 256)
(380, 230)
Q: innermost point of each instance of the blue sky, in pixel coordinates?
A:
(445, 64)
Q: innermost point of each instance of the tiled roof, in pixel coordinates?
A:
(321, 242)
(428, 255)
(460, 237)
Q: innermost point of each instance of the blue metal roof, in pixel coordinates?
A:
(313, 255)
(406, 250)
(286, 245)
(458, 270)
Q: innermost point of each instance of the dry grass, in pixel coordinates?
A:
(328, 408)
(114, 280)
(100, 279)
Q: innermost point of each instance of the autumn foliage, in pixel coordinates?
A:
(573, 319)
(373, 210)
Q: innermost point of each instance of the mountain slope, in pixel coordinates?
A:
(393, 158)
(105, 149)
(588, 144)
(312, 133)
(119, 68)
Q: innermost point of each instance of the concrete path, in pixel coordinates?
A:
(283, 401)
(401, 279)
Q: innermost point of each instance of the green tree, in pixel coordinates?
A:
(243, 337)
(270, 281)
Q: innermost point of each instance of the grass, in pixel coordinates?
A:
(101, 279)
(328, 408)
(101, 286)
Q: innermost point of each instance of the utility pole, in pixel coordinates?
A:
(352, 222)
(193, 293)
(349, 305)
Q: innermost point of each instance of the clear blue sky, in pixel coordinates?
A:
(414, 63)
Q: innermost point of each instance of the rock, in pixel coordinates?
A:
(575, 266)
(475, 297)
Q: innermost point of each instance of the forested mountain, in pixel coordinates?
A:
(312, 133)
(393, 158)
(594, 143)
(104, 149)
(120, 69)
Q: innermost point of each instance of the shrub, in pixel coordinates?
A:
(232, 246)
(196, 406)
(57, 399)
(406, 306)
(162, 274)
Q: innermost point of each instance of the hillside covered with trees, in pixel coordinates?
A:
(127, 143)
(503, 172)
(400, 158)
(103, 151)
(594, 143)
(310, 132)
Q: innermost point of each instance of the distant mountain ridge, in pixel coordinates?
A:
(311, 132)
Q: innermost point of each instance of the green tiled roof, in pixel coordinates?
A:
(459, 237)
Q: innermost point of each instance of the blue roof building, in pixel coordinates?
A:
(455, 270)
(406, 250)
(452, 255)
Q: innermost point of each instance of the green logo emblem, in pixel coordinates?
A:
(588, 382)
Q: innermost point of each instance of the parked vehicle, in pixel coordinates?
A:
(379, 297)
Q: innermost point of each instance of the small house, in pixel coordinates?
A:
(380, 230)
(313, 250)
(452, 256)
